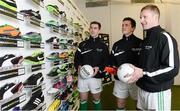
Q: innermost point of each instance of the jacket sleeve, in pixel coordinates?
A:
(78, 57)
(169, 60)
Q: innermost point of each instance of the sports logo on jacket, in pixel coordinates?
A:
(148, 47)
(99, 50)
(136, 49)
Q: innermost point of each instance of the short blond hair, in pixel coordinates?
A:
(153, 8)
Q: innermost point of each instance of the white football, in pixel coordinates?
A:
(86, 71)
(124, 72)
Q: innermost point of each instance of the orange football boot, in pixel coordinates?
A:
(9, 31)
(63, 55)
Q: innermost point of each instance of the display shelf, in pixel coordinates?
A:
(63, 31)
(58, 62)
(54, 29)
(58, 77)
(33, 20)
(32, 24)
(55, 46)
(11, 42)
(36, 45)
(56, 93)
(73, 101)
(63, 19)
(37, 88)
(61, 1)
(75, 106)
(41, 107)
(36, 22)
(10, 72)
(11, 13)
(37, 67)
(9, 103)
(55, 14)
(39, 2)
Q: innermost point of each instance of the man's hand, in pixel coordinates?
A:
(136, 75)
(96, 69)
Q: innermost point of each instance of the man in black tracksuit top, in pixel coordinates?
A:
(159, 63)
(95, 53)
(125, 51)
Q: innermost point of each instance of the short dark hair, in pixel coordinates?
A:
(133, 22)
(153, 8)
(95, 22)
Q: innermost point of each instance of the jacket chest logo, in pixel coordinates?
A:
(148, 47)
(99, 50)
(136, 49)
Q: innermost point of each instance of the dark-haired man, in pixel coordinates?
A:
(95, 53)
(125, 51)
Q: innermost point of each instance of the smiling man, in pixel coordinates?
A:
(125, 51)
(159, 63)
(95, 53)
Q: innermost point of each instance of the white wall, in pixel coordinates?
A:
(111, 17)
(119, 11)
(175, 28)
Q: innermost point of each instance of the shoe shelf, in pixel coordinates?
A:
(58, 62)
(37, 67)
(75, 106)
(11, 42)
(36, 45)
(54, 29)
(59, 77)
(70, 35)
(55, 79)
(58, 30)
(13, 101)
(55, 14)
(55, 94)
(71, 95)
(62, 47)
(55, 46)
(30, 66)
(61, 1)
(38, 2)
(72, 4)
(36, 22)
(11, 13)
(10, 72)
(35, 89)
(41, 107)
(63, 19)
(62, 31)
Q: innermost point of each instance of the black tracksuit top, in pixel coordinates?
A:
(159, 60)
(92, 52)
(125, 51)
